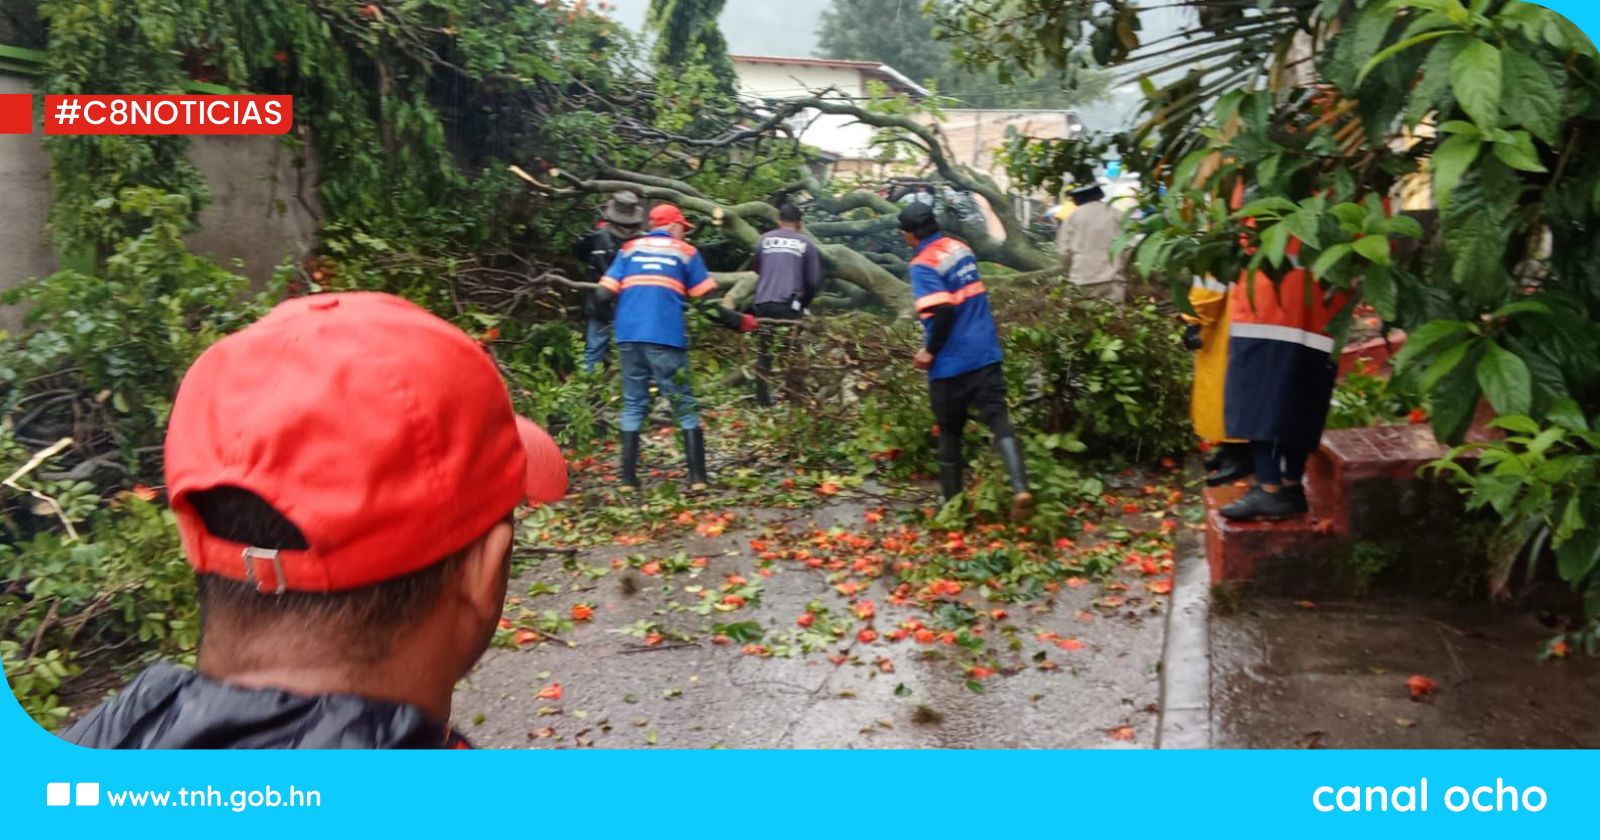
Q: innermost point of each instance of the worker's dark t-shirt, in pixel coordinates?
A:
(790, 267)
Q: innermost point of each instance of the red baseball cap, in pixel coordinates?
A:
(381, 431)
(662, 215)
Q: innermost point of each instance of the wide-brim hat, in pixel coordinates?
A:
(623, 208)
(1087, 194)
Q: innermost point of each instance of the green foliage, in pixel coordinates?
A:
(1543, 481)
(123, 586)
(687, 36)
(902, 35)
(1501, 300)
(128, 334)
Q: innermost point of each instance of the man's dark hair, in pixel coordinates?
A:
(789, 213)
(362, 623)
(919, 220)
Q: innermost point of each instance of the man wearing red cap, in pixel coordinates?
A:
(344, 474)
(655, 277)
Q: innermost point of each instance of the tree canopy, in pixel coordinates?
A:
(901, 34)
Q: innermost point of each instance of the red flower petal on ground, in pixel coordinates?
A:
(1160, 587)
(1077, 582)
(874, 516)
(1420, 686)
(505, 624)
(865, 610)
(1560, 649)
(867, 636)
(998, 615)
(828, 488)
(685, 518)
(720, 639)
(1069, 644)
(734, 600)
(550, 692)
(1418, 416)
(526, 637)
(885, 666)
(651, 568)
(805, 620)
(754, 650)
(898, 634)
(838, 659)
(582, 612)
(737, 580)
(978, 672)
(653, 639)
(924, 636)
(1124, 733)
(143, 493)
(1306, 605)
(699, 562)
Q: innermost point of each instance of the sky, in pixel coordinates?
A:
(753, 27)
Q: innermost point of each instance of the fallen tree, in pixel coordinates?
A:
(857, 275)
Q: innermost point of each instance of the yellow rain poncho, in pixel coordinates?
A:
(1209, 298)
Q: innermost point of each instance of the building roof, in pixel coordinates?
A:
(882, 72)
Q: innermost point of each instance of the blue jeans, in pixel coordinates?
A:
(668, 368)
(596, 344)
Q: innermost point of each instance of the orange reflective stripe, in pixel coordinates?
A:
(969, 291)
(704, 287)
(653, 280)
(935, 299)
(610, 283)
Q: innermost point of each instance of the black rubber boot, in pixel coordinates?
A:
(1234, 462)
(1260, 506)
(628, 476)
(1017, 473)
(694, 452)
(952, 477)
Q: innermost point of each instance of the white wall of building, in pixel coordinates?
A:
(836, 135)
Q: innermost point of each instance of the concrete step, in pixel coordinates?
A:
(1370, 508)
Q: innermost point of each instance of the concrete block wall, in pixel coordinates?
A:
(263, 207)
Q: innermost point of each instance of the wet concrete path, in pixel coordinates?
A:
(1292, 675)
(687, 692)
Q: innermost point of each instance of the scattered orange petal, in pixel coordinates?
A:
(526, 637)
(582, 612)
(550, 692)
(653, 639)
(651, 568)
(867, 636)
(1420, 686)
(1124, 733)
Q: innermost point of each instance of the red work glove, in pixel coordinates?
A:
(748, 323)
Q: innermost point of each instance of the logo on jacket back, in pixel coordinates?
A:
(783, 244)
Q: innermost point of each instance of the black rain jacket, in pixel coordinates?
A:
(168, 707)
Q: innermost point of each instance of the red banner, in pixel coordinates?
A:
(174, 114)
(16, 113)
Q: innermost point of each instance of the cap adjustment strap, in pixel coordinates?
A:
(252, 553)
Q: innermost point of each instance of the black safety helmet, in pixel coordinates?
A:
(919, 220)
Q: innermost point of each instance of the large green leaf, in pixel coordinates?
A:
(1429, 340)
(1577, 557)
(1374, 248)
(1505, 380)
(1535, 100)
(1434, 85)
(1454, 400)
(1518, 153)
(1378, 286)
(1475, 77)
(1450, 162)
